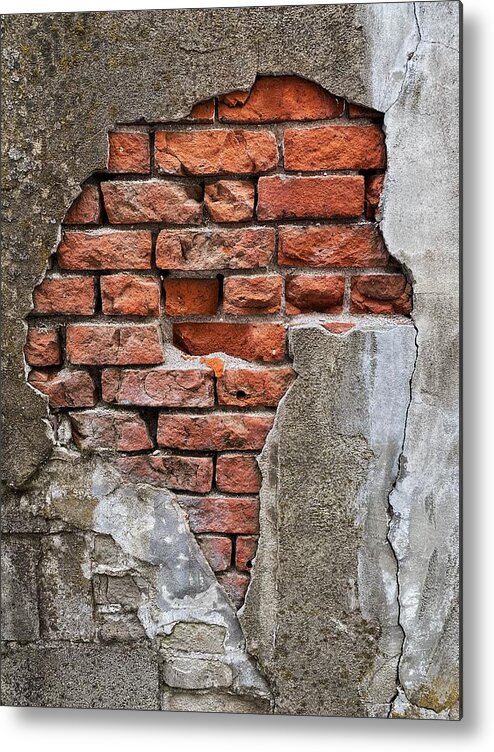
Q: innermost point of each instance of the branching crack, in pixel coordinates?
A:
(409, 60)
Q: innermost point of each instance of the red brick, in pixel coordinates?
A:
(322, 293)
(65, 295)
(105, 249)
(42, 347)
(215, 152)
(202, 112)
(245, 551)
(200, 250)
(130, 295)
(158, 387)
(152, 201)
(86, 209)
(332, 245)
(101, 345)
(218, 551)
(241, 387)
(185, 297)
(213, 432)
(170, 471)
(217, 365)
(230, 200)
(357, 111)
(237, 473)
(212, 514)
(334, 147)
(235, 585)
(381, 293)
(109, 429)
(65, 388)
(318, 197)
(252, 296)
(276, 98)
(265, 342)
(128, 152)
(373, 189)
(338, 327)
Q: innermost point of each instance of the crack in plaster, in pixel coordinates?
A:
(410, 57)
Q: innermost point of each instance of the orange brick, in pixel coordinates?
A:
(213, 432)
(334, 147)
(101, 345)
(42, 347)
(128, 152)
(264, 342)
(263, 387)
(186, 297)
(65, 296)
(252, 296)
(86, 209)
(322, 293)
(105, 249)
(318, 197)
(130, 295)
(332, 245)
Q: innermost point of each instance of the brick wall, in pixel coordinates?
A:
(213, 235)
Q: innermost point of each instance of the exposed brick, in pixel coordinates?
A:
(321, 293)
(65, 295)
(252, 296)
(358, 111)
(202, 112)
(158, 387)
(241, 387)
(42, 347)
(198, 250)
(128, 152)
(130, 295)
(322, 197)
(215, 152)
(105, 249)
(215, 364)
(235, 585)
(101, 345)
(381, 293)
(338, 327)
(86, 208)
(185, 297)
(212, 514)
(171, 471)
(218, 551)
(214, 432)
(264, 342)
(230, 200)
(109, 429)
(373, 189)
(332, 245)
(152, 201)
(245, 550)
(65, 388)
(334, 147)
(237, 473)
(276, 98)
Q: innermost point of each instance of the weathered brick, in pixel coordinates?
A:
(196, 673)
(218, 551)
(338, 327)
(212, 514)
(86, 208)
(152, 201)
(171, 471)
(121, 589)
(241, 387)
(65, 388)
(264, 342)
(322, 293)
(332, 245)
(109, 429)
(185, 297)
(381, 293)
(373, 189)
(42, 347)
(202, 112)
(245, 550)
(276, 98)
(358, 111)
(230, 200)
(235, 585)
(214, 432)
(158, 387)
(215, 152)
(128, 152)
(252, 296)
(101, 345)
(334, 147)
(199, 250)
(65, 296)
(130, 295)
(322, 197)
(237, 473)
(105, 249)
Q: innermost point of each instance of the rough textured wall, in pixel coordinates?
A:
(401, 60)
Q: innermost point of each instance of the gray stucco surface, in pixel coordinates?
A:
(67, 79)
